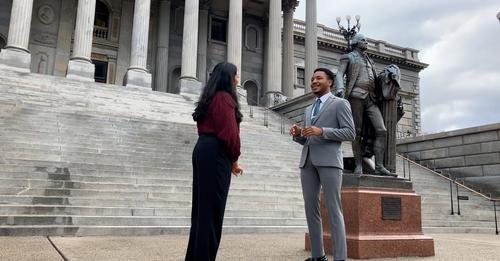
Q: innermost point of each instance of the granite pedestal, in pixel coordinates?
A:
(382, 217)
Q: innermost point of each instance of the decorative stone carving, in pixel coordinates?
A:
(46, 14)
(252, 38)
(44, 38)
(42, 62)
(279, 98)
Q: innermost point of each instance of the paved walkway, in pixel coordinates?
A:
(233, 247)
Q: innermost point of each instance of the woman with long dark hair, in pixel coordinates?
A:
(215, 157)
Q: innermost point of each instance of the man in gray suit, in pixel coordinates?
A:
(326, 124)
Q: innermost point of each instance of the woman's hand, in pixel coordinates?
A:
(236, 169)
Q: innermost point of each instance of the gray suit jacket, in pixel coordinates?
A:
(335, 117)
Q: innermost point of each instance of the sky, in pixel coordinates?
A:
(459, 39)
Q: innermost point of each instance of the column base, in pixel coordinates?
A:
(274, 98)
(137, 78)
(189, 85)
(16, 59)
(82, 70)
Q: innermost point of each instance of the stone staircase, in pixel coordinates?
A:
(476, 213)
(92, 159)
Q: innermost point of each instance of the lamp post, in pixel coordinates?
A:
(349, 32)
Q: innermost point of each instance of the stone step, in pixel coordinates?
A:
(448, 223)
(241, 195)
(41, 161)
(476, 213)
(170, 186)
(123, 211)
(44, 230)
(22, 220)
(149, 203)
(286, 182)
(458, 230)
(464, 216)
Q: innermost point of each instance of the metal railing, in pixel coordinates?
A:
(453, 181)
(270, 119)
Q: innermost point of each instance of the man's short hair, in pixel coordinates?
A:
(328, 73)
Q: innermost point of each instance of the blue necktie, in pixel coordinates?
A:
(316, 109)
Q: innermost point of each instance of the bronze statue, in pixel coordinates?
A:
(368, 95)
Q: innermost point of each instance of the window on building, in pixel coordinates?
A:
(101, 21)
(101, 71)
(301, 76)
(218, 29)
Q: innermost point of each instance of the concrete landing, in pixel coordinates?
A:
(286, 247)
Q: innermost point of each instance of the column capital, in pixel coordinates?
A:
(289, 5)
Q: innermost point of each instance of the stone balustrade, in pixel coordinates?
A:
(333, 35)
(101, 32)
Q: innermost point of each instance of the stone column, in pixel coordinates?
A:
(66, 25)
(80, 66)
(137, 74)
(235, 28)
(202, 45)
(125, 39)
(273, 79)
(16, 54)
(288, 53)
(188, 81)
(311, 42)
(161, 76)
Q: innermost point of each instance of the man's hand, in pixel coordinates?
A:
(295, 130)
(312, 131)
(236, 169)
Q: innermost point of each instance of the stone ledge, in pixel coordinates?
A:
(472, 130)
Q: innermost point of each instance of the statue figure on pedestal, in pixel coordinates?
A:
(372, 98)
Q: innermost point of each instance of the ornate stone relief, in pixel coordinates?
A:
(46, 14)
(42, 62)
(45, 39)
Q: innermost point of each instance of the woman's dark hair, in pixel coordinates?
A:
(221, 79)
(328, 73)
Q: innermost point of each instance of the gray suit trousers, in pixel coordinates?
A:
(330, 178)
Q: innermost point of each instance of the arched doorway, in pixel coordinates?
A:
(173, 86)
(252, 92)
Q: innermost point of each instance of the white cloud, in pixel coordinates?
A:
(459, 39)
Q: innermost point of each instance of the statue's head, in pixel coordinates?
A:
(360, 42)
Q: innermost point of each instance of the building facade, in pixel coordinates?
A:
(172, 45)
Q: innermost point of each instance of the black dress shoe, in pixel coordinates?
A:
(321, 258)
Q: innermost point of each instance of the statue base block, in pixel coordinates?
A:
(382, 218)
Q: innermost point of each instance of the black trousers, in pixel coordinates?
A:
(211, 179)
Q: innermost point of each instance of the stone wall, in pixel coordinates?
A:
(471, 155)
